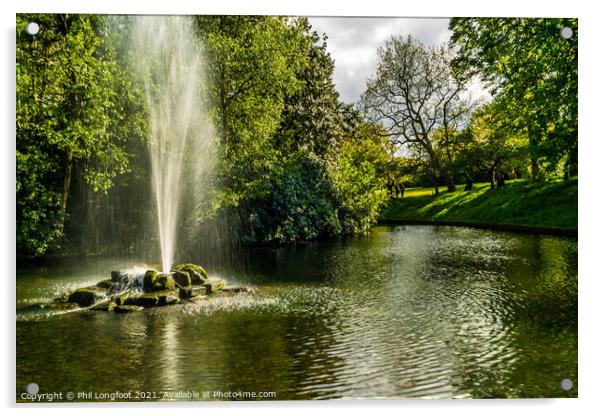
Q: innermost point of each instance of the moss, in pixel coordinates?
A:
(86, 296)
(149, 280)
(105, 284)
(182, 278)
(168, 297)
(105, 305)
(127, 308)
(192, 292)
(152, 299)
(213, 285)
(191, 267)
(163, 281)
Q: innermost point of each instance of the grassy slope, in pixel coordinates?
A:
(548, 204)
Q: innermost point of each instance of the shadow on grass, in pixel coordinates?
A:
(540, 204)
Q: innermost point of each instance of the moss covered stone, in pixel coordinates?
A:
(104, 305)
(182, 278)
(127, 308)
(213, 285)
(105, 284)
(149, 280)
(146, 300)
(164, 281)
(198, 275)
(115, 276)
(192, 292)
(152, 299)
(86, 296)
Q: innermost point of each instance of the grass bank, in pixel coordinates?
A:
(522, 205)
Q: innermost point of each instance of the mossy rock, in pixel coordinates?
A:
(192, 292)
(105, 305)
(198, 275)
(168, 297)
(152, 299)
(196, 278)
(121, 297)
(105, 284)
(115, 276)
(146, 300)
(213, 285)
(164, 281)
(86, 296)
(127, 308)
(155, 282)
(149, 280)
(182, 278)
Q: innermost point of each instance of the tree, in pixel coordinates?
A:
(415, 93)
(533, 70)
(364, 167)
(489, 144)
(69, 106)
(313, 116)
(252, 62)
(282, 132)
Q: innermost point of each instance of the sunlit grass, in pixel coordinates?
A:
(540, 204)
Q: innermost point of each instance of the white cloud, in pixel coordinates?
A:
(353, 42)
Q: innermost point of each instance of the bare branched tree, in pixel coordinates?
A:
(416, 93)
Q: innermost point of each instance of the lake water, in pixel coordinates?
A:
(406, 312)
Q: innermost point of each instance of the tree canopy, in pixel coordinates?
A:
(533, 70)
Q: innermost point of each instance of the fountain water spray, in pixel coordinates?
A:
(168, 60)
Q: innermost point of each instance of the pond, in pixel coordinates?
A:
(405, 312)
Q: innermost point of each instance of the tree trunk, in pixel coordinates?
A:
(449, 183)
(224, 107)
(492, 178)
(534, 169)
(66, 186)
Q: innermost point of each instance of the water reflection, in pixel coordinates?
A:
(405, 312)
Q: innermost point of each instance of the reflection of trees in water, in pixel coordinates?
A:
(407, 311)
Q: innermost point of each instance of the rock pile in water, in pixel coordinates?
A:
(129, 291)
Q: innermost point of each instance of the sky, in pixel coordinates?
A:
(353, 42)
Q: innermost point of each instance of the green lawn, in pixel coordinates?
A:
(551, 204)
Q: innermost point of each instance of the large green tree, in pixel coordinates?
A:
(533, 69)
(491, 145)
(72, 100)
(281, 126)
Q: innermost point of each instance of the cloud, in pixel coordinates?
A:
(353, 42)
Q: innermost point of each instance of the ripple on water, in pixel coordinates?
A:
(409, 313)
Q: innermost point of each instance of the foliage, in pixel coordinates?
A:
(533, 71)
(363, 169)
(415, 93)
(490, 145)
(287, 173)
(293, 161)
(71, 111)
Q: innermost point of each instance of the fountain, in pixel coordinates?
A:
(168, 63)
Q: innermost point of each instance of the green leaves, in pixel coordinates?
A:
(283, 165)
(75, 114)
(533, 71)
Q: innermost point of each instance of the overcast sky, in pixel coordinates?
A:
(353, 41)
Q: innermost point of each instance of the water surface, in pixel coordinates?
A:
(406, 312)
